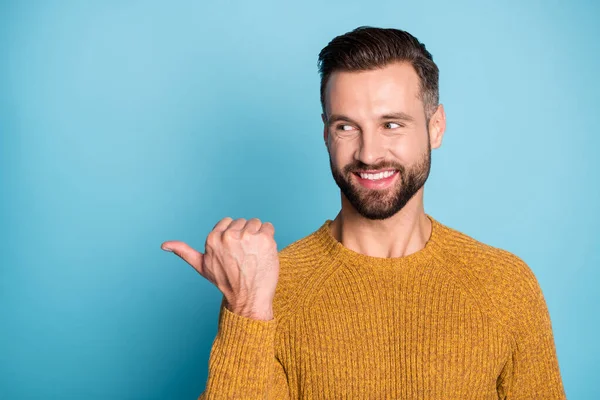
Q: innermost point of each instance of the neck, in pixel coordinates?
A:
(404, 233)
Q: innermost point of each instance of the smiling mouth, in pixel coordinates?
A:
(376, 175)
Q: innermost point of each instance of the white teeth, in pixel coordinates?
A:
(377, 176)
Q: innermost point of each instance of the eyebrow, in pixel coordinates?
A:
(396, 115)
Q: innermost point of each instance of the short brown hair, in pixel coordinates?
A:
(367, 48)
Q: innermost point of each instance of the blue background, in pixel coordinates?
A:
(128, 123)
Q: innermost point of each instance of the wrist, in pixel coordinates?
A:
(252, 311)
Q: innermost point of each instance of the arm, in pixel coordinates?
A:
(241, 260)
(533, 371)
(242, 361)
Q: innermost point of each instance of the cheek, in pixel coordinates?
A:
(341, 153)
(409, 149)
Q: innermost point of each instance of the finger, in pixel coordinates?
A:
(237, 225)
(268, 228)
(188, 254)
(252, 226)
(222, 224)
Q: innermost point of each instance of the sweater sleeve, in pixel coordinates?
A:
(532, 372)
(242, 362)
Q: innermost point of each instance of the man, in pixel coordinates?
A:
(384, 301)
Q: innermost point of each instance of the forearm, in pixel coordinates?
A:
(242, 358)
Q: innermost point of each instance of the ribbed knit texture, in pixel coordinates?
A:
(456, 320)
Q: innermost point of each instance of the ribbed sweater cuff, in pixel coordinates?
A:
(246, 333)
(242, 357)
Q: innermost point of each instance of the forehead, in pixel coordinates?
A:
(392, 88)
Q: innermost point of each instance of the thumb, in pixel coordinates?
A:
(187, 253)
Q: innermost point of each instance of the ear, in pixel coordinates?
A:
(325, 130)
(437, 127)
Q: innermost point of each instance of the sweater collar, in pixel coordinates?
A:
(335, 249)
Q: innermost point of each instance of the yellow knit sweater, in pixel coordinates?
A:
(456, 320)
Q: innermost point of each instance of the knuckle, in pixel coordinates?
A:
(229, 235)
(223, 223)
(268, 230)
(267, 241)
(246, 236)
(212, 239)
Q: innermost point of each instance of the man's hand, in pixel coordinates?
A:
(241, 260)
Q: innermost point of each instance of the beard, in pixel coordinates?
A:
(379, 204)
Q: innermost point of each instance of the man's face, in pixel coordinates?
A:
(378, 138)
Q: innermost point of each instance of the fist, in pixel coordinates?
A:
(241, 260)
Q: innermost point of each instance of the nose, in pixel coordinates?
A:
(371, 149)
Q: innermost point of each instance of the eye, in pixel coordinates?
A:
(344, 127)
(393, 125)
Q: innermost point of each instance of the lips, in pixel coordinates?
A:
(378, 180)
(375, 175)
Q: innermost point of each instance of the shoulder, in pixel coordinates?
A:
(502, 282)
(488, 263)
